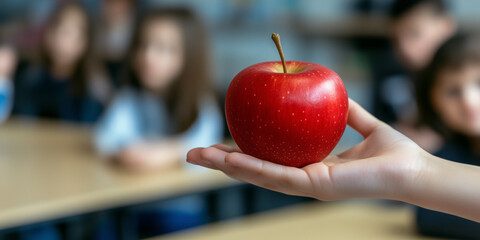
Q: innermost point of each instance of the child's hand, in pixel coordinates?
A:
(147, 156)
(384, 165)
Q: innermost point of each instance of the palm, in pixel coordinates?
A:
(369, 169)
(384, 154)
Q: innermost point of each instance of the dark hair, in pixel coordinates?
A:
(84, 65)
(184, 94)
(454, 54)
(400, 8)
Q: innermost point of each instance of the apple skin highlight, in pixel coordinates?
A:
(294, 119)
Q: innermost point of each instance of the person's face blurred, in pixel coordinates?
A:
(456, 98)
(67, 40)
(115, 10)
(159, 58)
(418, 34)
(8, 61)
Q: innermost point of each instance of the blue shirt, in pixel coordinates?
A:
(6, 97)
(136, 115)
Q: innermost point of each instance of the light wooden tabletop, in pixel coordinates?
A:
(50, 170)
(352, 219)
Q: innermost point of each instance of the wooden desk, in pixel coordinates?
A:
(352, 219)
(50, 170)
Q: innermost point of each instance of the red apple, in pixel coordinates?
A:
(294, 118)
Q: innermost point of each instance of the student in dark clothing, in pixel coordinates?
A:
(113, 35)
(41, 94)
(65, 84)
(448, 96)
(418, 28)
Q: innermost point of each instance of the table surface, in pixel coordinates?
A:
(50, 170)
(352, 219)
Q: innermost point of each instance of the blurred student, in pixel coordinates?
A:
(448, 95)
(65, 83)
(418, 28)
(114, 34)
(8, 61)
(165, 108)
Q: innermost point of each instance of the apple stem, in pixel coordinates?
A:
(276, 40)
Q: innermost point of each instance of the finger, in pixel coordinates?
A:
(359, 151)
(210, 157)
(266, 174)
(364, 149)
(334, 160)
(227, 148)
(194, 156)
(359, 119)
(350, 153)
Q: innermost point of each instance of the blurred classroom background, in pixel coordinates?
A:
(98, 109)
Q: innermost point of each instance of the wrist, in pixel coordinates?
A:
(418, 178)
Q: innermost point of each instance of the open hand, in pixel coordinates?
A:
(383, 165)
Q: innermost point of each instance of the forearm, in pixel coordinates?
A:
(448, 187)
